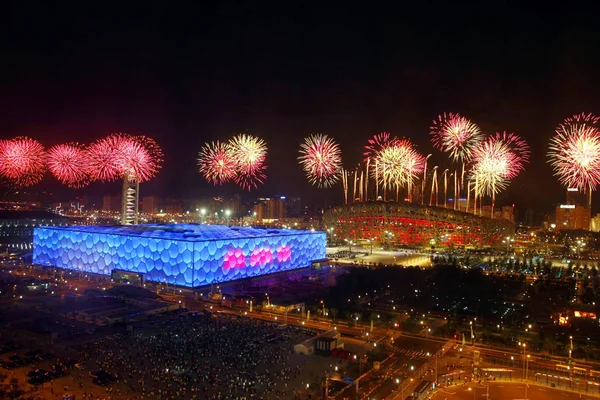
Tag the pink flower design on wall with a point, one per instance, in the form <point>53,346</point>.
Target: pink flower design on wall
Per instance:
<point>261,257</point>
<point>284,253</point>
<point>234,258</point>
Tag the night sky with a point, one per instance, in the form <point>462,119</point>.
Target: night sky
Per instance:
<point>191,74</point>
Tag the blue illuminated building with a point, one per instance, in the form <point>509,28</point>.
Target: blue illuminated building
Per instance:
<point>183,254</point>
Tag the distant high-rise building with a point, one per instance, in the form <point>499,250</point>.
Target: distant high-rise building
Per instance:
<point>529,217</point>
<point>595,223</point>
<point>275,208</point>
<point>173,206</point>
<point>486,211</point>
<point>150,204</point>
<point>259,211</point>
<point>571,216</point>
<point>293,207</point>
<point>508,213</point>
<point>111,203</point>
<point>576,197</point>
<point>233,205</point>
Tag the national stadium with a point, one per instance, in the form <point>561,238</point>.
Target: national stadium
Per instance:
<point>414,225</point>
<point>189,255</point>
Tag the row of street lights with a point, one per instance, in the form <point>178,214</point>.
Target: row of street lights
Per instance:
<point>203,213</point>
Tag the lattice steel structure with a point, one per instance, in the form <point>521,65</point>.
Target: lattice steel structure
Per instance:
<point>413,224</point>
<point>130,200</point>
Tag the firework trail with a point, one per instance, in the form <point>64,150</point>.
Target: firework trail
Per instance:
<point>398,164</point>
<point>321,159</point>
<point>375,145</point>
<point>216,162</point>
<point>22,161</point>
<point>68,164</point>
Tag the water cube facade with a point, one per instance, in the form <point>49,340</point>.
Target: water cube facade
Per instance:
<point>182,254</point>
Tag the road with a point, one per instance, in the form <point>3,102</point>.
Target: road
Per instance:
<point>505,391</point>
<point>384,386</point>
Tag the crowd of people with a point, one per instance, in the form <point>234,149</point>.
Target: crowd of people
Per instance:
<point>200,357</point>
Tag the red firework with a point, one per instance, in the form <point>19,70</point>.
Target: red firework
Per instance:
<point>102,158</point>
<point>139,157</point>
<point>22,161</point>
<point>248,178</point>
<point>216,162</point>
<point>120,154</point>
<point>67,163</point>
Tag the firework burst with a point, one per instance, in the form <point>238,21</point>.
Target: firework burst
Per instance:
<point>398,164</point>
<point>376,145</point>
<point>216,162</point>
<point>120,154</point>
<point>139,157</point>
<point>249,153</point>
<point>456,135</point>
<point>67,163</point>
<point>574,154</point>
<point>22,161</point>
<point>581,118</point>
<point>103,158</point>
<point>497,160</point>
<point>321,159</point>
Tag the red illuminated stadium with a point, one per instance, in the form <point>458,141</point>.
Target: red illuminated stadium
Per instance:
<point>414,225</point>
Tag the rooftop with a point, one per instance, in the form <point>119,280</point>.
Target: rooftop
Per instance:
<point>188,232</point>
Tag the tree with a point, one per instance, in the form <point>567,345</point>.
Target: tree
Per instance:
<point>334,313</point>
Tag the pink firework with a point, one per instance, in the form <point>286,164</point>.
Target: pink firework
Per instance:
<point>118,155</point>
<point>216,163</point>
<point>103,158</point>
<point>68,164</point>
<point>575,155</point>
<point>376,144</point>
<point>497,160</point>
<point>582,118</point>
<point>139,157</point>
<point>22,161</point>
<point>249,153</point>
<point>321,159</point>
<point>517,149</point>
<point>456,135</point>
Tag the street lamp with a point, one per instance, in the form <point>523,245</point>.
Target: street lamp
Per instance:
<point>524,357</point>
<point>508,240</point>
<point>570,351</point>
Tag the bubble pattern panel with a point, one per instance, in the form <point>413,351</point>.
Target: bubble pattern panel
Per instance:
<point>185,260</point>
